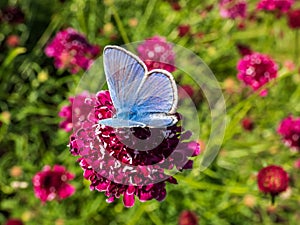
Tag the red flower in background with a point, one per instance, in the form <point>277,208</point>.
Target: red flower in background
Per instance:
<point>12,15</point>
<point>244,49</point>
<point>256,69</point>
<point>50,184</point>
<point>187,217</point>
<point>183,30</point>
<point>233,8</point>
<point>248,124</point>
<point>157,53</point>
<point>294,19</point>
<point>273,5</point>
<point>272,179</point>
<point>114,167</point>
<point>71,50</point>
<point>14,222</point>
<point>289,129</point>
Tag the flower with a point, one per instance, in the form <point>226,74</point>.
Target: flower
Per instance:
<point>157,53</point>
<point>248,124</point>
<point>275,5</point>
<point>256,70</point>
<point>52,184</point>
<point>233,8</point>
<point>289,129</point>
<point>127,162</point>
<point>14,222</point>
<point>244,49</point>
<point>12,15</point>
<point>12,41</point>
<point>187,217</point>
<point>294,19</point>
<point>66,112</point>
<point>272,179</point>
<point>71,50</point>
<point>297,164</point>
<point>183,30</point>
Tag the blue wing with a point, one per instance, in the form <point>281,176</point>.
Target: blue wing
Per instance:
<point>157,93</point>
<point>124,73</point>
<point>148,97</point>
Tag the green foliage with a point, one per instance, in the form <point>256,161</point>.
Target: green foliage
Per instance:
<point>32,92</point>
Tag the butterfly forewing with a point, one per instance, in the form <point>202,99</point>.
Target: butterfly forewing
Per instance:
<point>124,73</point>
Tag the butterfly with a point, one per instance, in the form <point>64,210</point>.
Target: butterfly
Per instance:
<point>141,98</point>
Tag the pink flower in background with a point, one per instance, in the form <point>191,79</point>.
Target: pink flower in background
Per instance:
<point>66,113</point>
<point>289,129</point>
<point>275,5</point>
<point>50,184</point>
<point>233,8</point>
<point>71,50</point>
<point>14,222</point>
<point>114,168</point>
<point>297,164</point>
<point>272,179</point>
<point>294,19</point>
<point>255,70</point>
<point>187,217</point>
<point>157,53</point>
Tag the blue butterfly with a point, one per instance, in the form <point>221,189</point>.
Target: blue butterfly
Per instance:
<point>141,98</point>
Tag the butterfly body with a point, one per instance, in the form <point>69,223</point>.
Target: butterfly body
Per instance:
<point>141,98</point>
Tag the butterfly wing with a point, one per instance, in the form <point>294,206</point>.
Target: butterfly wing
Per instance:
<point>157,93</point>
<point>119,123</point>
<point>124,73</point>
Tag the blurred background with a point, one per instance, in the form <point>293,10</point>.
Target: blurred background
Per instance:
<point>35,86</point>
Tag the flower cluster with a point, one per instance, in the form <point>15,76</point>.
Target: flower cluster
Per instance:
<point>256,70</point>
<point>233,8</point>
<point>273,180</point>
<point>289,129</point>
<point>157,53</point>
<point>50,184</point>
<point>71,50</point>
<point>14,222</point>
<point>273,5</point>
<point>114,162</point>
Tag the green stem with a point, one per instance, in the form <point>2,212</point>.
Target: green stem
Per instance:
<point>120,25</point>
<point>297,47</point>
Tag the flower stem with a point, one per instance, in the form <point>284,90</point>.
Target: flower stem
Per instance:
<point>297,46</point>
<point>272,199</point>
<point>120,25</point>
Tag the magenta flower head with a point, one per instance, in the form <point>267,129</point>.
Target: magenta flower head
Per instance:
<point>157,54</point>
<point>187,217</point>
<point>272,180</point>
<point>50,184</point>
<point>71,50</point>
<point>255,70</point>
<point>14,222</point>
<point>281,6</point>
<point>233,9</point>
<point>294,19</point>
<point>128,162</point>
<point>289,129</point>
